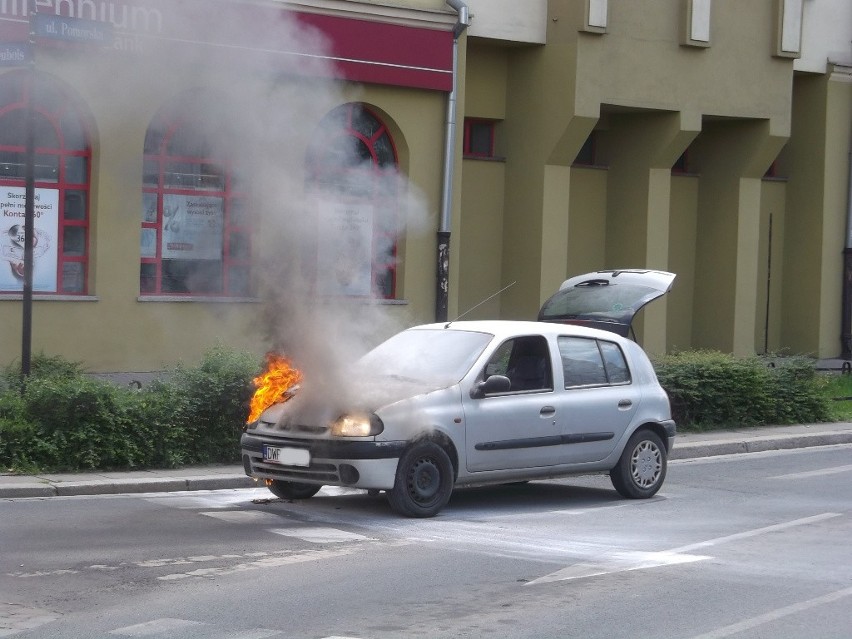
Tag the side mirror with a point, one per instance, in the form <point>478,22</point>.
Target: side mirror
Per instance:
<point>493,385</point>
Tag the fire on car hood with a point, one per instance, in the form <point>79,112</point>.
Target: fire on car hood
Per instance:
<point>608,300</point>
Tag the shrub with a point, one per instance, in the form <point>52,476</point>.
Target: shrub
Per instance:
<point>66,420</point>
<point>211,404</point>
<point>715,390</point>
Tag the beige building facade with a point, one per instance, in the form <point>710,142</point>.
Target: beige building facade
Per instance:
<point>234,176</point>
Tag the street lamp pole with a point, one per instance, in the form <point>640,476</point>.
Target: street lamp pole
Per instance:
<point>29,210</point>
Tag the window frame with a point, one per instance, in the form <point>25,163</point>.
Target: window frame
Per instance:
<point>467,147</point>
<point>167,126</point>
<point>63,106</point>
<point>345,121</point>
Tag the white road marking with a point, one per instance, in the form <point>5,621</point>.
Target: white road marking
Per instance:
<point>244,516</point>
<point>774,615</point>
<point>620,561</point>
<point>16,618</point>
<point>158,626</point>
<point>320,535</point>
<point>757,531</point>
<point>272,561</point>
<point>815,473</point>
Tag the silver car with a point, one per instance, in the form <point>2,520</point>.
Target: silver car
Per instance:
<point>467,403</point>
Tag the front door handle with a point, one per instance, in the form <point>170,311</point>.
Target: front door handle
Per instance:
<point>547,411</point>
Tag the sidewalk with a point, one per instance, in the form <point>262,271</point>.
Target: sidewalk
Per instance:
<point>687,446</point>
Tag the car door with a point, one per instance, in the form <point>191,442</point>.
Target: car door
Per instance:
<point>599,400</point>
<point>517,428</point>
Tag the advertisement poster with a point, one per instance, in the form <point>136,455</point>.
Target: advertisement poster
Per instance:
<point>192,227</point>
<point>345,256</point>
<point>45,242</point>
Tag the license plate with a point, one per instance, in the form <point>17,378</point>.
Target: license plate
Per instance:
<point>287,456</point>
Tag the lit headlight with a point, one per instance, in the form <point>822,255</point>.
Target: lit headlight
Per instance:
<point>357,425</point>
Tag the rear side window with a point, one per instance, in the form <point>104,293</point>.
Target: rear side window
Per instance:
<point>591,362</point>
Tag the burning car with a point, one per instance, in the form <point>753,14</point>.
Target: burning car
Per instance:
<point>442,406</point>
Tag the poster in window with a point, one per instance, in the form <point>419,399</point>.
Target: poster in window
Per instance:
<point>192,227</point>
<point>45,241</point>
<point>345,251</point>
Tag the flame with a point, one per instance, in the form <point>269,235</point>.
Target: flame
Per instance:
<point>272,385</point>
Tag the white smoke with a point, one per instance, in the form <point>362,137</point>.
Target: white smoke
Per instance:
<point>261,109</point>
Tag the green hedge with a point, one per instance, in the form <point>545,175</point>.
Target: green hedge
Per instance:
<point>709,389</point>
<point>65,420</point>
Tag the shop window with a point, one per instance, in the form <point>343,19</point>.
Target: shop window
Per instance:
<point>61,174</point>
<point>479,138</point>
<point>195,239</point>
<point>352,176</point>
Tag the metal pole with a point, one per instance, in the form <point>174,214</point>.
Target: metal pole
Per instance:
<point>29,210</point>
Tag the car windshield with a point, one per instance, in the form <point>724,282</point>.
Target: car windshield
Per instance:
<point>609,300</point>
<point>426,355</point>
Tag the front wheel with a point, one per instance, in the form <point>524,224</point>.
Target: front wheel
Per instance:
<point>642,467</point>
<point>291,489</point>
<point>424,481</point>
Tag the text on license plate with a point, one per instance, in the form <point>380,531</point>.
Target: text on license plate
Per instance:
<point>287,456</point>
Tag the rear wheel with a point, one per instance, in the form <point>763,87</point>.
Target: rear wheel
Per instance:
<point>292,489</point>
<point>642,467</point>
<point>424,481</point>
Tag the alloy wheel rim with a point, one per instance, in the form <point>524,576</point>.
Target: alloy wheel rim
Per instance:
<point>646,464</point>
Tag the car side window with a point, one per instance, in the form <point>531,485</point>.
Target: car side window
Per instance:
<point>525,361</point>
<point>617,371</point>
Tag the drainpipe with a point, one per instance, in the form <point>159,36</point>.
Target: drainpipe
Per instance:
<point>846,320</point>
<point>443,270</point>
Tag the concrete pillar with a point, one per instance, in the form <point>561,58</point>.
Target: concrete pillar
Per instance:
<point>731,157</point>
<point>642,148</point>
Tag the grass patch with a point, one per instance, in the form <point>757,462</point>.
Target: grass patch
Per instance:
<point>837,389</point>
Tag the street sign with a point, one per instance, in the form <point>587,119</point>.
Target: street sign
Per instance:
<point>72,29</point>
<point>13,54</point>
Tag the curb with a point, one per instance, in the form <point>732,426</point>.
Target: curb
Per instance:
<point>115,487</point>
<point>696,450</point>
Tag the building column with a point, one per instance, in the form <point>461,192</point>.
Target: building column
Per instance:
<point>642,149</point>
<point>731,158</point>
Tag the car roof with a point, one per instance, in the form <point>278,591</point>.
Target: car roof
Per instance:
<point>508,328</point>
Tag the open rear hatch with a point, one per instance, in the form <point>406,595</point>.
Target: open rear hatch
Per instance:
<point>608,300</point>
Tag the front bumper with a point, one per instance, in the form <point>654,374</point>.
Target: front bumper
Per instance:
<point>358,464</point>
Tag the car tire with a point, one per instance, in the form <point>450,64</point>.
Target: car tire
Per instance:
<point>642,466</point>
<point>424,481</point>
<point>292,489</point>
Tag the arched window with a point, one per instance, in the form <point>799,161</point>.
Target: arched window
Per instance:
<point>352,171</point>
<point>62,161</point>
<point>195,238</point>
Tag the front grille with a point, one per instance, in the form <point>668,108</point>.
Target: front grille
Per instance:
<point>317,472</point>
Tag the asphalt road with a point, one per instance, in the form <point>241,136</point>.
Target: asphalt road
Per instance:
<point>754,545</point>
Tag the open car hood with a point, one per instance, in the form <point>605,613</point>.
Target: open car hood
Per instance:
<point>606,299</point>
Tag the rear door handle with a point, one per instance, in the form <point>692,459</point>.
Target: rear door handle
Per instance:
<point>624,404</point>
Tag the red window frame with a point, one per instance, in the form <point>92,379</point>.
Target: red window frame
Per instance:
<point>469,149</point>
<point>355,123</point>
<point>154,275</point>
<point>60,112</point>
